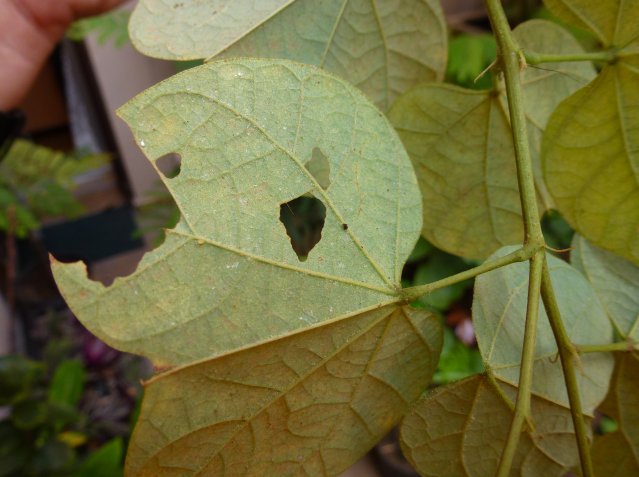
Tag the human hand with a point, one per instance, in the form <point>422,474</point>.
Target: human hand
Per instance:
<point>29,30</point>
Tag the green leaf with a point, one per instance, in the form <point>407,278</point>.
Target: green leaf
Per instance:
<point>499,310</point>
<point>383,48</point>
<point>545,87</point>
<point>17,376</point>
<point>457,360</point>
<point>591,159</point>
<point>309,404</point>
<point>105,462</point>
<point>441,265</point>
<point>614,22</point>
<point>67,383</point>
<point>617,454</point>
<point>616,282</point>
<point>460,430</point>
<point>245,130</point>
<point>468,56</point>
<point>111,26</point>
<point>461,144</point>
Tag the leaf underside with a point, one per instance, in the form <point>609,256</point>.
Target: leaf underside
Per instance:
<point>227,275</point>
<point>461,144</point>
<point>309,404</point>
<point>616,282</point>
<point>460,430</point>
<point>499,310</point>
<point>384,48</point>
<point>590,151</point>
<point>617,454</point>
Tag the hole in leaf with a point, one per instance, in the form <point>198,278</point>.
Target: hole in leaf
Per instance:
<point>303,219</point>
<point>320,168</point>
<point>169,165</point>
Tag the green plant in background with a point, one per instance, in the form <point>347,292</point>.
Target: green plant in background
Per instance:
<point>109,27</point>
<point>37,182</point>
<point>44,429</point>
<point>275,362</point>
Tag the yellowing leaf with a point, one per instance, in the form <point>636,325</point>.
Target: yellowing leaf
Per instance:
<point>617,454</point>
<point>227,274</point>
<point>461,144</point>
<point>615,22</point>
<point>544,88</point>
<point>591,147</point>
<point>308,404</point>
<point>460,430</point>
<point>616,282</point>
<point>382,47</point>
<point>499,309</point>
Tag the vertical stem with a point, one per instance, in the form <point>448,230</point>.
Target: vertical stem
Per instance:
<point>510,61</point>
<point>522,404</point>
<point>568,355</point>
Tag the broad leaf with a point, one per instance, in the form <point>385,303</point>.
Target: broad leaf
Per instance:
<point>460,430</point>
<point>461,144</point>
<point>499,310</point>
<point>613,21</point>
<point>591,146</point>
<point>617,454</point>
<point>616,282</point>
<point>227,274</point>
<point>309,404</point>
<point>382,47</point>
<point>545,87</point>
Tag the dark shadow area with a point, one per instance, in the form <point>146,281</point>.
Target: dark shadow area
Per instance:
<point>169,165</point>
<point>303,219</point>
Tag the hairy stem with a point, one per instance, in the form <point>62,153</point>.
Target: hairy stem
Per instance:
<point>533,58</point>
<point>568,355</point>
<point>522,404</point>
<point>521,255</point>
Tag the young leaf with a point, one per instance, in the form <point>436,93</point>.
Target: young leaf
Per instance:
<point>309,404</point>
<point>589,152</point>
<point>617,454</point>
<point>67,383</point>
<point>461,144</point>
<point>499,309</point>
<point>460,430</point>
<point>382,47</point>
<point>616,282</point>
<point>227,274</point>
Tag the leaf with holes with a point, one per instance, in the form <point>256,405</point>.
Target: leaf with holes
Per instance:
<point>461,144</point>
<point>227,275</point>
<point>590,150</point>
<point>617,454</point>
<point>616,282</point>
<point>460,430</point>
<point>309,404</point>
<point>382,47</point>
<point>499,308</point>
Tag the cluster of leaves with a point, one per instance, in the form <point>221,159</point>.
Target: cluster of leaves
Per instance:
<point>288,363</point>
<point>37,182</point>
<point>44,429</point>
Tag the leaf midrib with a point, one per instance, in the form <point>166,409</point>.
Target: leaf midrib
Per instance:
<point>318,189</point>
<point>284,392</point>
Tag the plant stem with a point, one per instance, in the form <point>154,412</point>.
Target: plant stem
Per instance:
<point>522,404</point>
<point>511,60</point>
<point>521,255</point>
<point>607,348</point>
<point>533,58</point>
<point>510,57</point>
<point>568,356</point>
